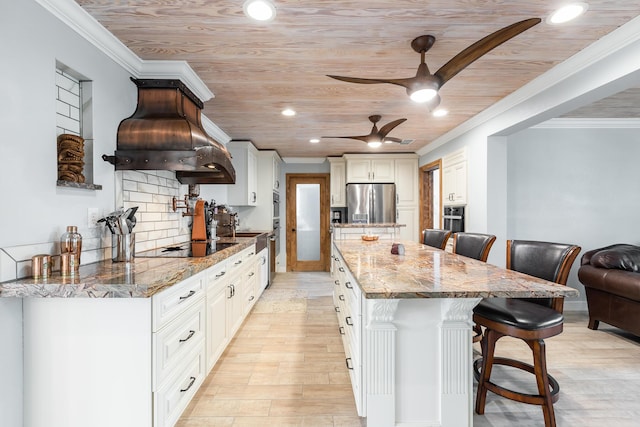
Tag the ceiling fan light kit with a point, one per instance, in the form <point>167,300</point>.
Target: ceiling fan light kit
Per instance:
<point>424,86</point>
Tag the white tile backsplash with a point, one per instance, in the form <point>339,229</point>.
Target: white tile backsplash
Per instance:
<point>156,223</point>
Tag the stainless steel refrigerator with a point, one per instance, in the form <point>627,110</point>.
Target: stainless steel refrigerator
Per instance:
<point>371,203</point>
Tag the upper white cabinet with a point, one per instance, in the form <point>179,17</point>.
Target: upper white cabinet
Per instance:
<point>275,166</point>
<point>406,180</point>
<point>454,178</point>
<point>366,168</point>
<point>244,160</point>
<point>338,183</point>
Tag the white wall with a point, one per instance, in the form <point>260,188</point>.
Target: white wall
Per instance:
<point>36,210</point>
<point>575,186</point>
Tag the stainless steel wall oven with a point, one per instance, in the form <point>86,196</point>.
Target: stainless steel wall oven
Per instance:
<point>454,218</point>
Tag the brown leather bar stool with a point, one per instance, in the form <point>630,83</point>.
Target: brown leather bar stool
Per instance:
<point>476,246</point>
<point>530,319</point>
<point>435,238</point>
<point>473,245</point>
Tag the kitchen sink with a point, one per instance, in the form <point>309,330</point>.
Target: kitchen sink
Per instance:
<point>261,241</point>
<point>247,234</point>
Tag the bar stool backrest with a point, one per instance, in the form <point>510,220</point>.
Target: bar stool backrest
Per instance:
<point>545,260</point>
<point>435,238</point>
<point>473,245</point>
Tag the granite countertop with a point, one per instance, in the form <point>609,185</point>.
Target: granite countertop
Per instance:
<point>142,278</point>
<point>359,225</point>
<point>426,272</point>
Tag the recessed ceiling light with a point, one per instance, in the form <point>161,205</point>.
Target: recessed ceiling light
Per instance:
<point>288,112</point>
<point>440,112</point>
<point>260,10</point>
<point>314,140</point>
<point>567,12</point>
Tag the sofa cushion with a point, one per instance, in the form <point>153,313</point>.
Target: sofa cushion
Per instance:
<point>621,257</point>
<point>623,283</point>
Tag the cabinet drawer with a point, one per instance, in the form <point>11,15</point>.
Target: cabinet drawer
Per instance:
<point>170,401</point>
<point>171,302</point>
<point>216,275</point>
<point>177,339</point>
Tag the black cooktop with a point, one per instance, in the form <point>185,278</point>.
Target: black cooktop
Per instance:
<point>191,249</point>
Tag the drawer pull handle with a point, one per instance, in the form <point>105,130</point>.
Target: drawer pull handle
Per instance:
<point>219,275</point>
<point>348,320</point>
<point>337,309</point>
<point>348,285</point>
<point>337,282</point>
<point>189,295</point>
<point>193,380</point>
<point>349,363</point>
<point>238,262</point>
<point>341,329</point>
<point>230,291</point>
<point>341,297</point>
<point>341,269</point>
<point>251,274</point>
<point>252,298</point>
<point>191,333</point>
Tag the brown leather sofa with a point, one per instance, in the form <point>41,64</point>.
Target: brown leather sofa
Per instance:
<point>611,277</point>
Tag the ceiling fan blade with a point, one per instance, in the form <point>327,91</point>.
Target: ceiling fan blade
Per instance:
<point>399,82</point>
<point>392,139</point>
<point>384,130</point>
<point>359,137</point>
<point>481,47</point>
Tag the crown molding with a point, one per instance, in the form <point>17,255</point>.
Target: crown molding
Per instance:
<point>309,160</point>
<point>79,20</point>
<point>609,44</point>
<point>589,124</point>
<point>214,131</point>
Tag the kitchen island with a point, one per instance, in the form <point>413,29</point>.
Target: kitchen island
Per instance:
<point>406,327</point>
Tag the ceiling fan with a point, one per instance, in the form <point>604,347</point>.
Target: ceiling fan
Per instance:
<point>424,86</point>
<point>376,137</point>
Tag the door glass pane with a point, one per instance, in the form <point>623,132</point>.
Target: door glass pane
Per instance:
<point>308,222</point>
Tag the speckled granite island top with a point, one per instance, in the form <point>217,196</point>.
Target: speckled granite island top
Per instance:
<point>425,272</point>
<point>141,278</point>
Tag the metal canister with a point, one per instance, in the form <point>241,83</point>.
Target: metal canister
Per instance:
<point>41,266</point>
<point>69,264</point>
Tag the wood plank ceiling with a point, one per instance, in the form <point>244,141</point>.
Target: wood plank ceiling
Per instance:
<point>257,69</point>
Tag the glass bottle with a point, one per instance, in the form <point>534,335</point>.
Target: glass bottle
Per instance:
<point>71,241</point>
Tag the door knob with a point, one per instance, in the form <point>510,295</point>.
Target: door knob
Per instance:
<point>293,229</point>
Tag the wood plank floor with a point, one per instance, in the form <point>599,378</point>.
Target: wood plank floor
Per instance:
<point>285,367</point>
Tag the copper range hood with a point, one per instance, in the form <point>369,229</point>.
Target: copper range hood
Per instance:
<point>165,133</point>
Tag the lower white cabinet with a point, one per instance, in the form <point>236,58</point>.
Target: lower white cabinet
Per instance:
<point>131,362</point>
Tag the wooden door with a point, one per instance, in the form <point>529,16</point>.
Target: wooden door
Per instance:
<point>431,195</point>
<point>307,222</point>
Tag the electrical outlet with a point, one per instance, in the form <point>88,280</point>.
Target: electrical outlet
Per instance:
<point>93,215</point>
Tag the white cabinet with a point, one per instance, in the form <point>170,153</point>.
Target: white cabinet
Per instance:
<point>263,267</point>
<point>408,215</point>
<point>338,182</point>
<point>454,179</point>
<point>260,215</point>
<point>146,357</point>
<point>406,179</point>
<point>347,299</point>
<point>244,159</point>
<point>275,166</point>
<point>217,334</point>
<point>369,168</point>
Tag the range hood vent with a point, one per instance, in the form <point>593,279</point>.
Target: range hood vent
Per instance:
<point>165,133</point>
